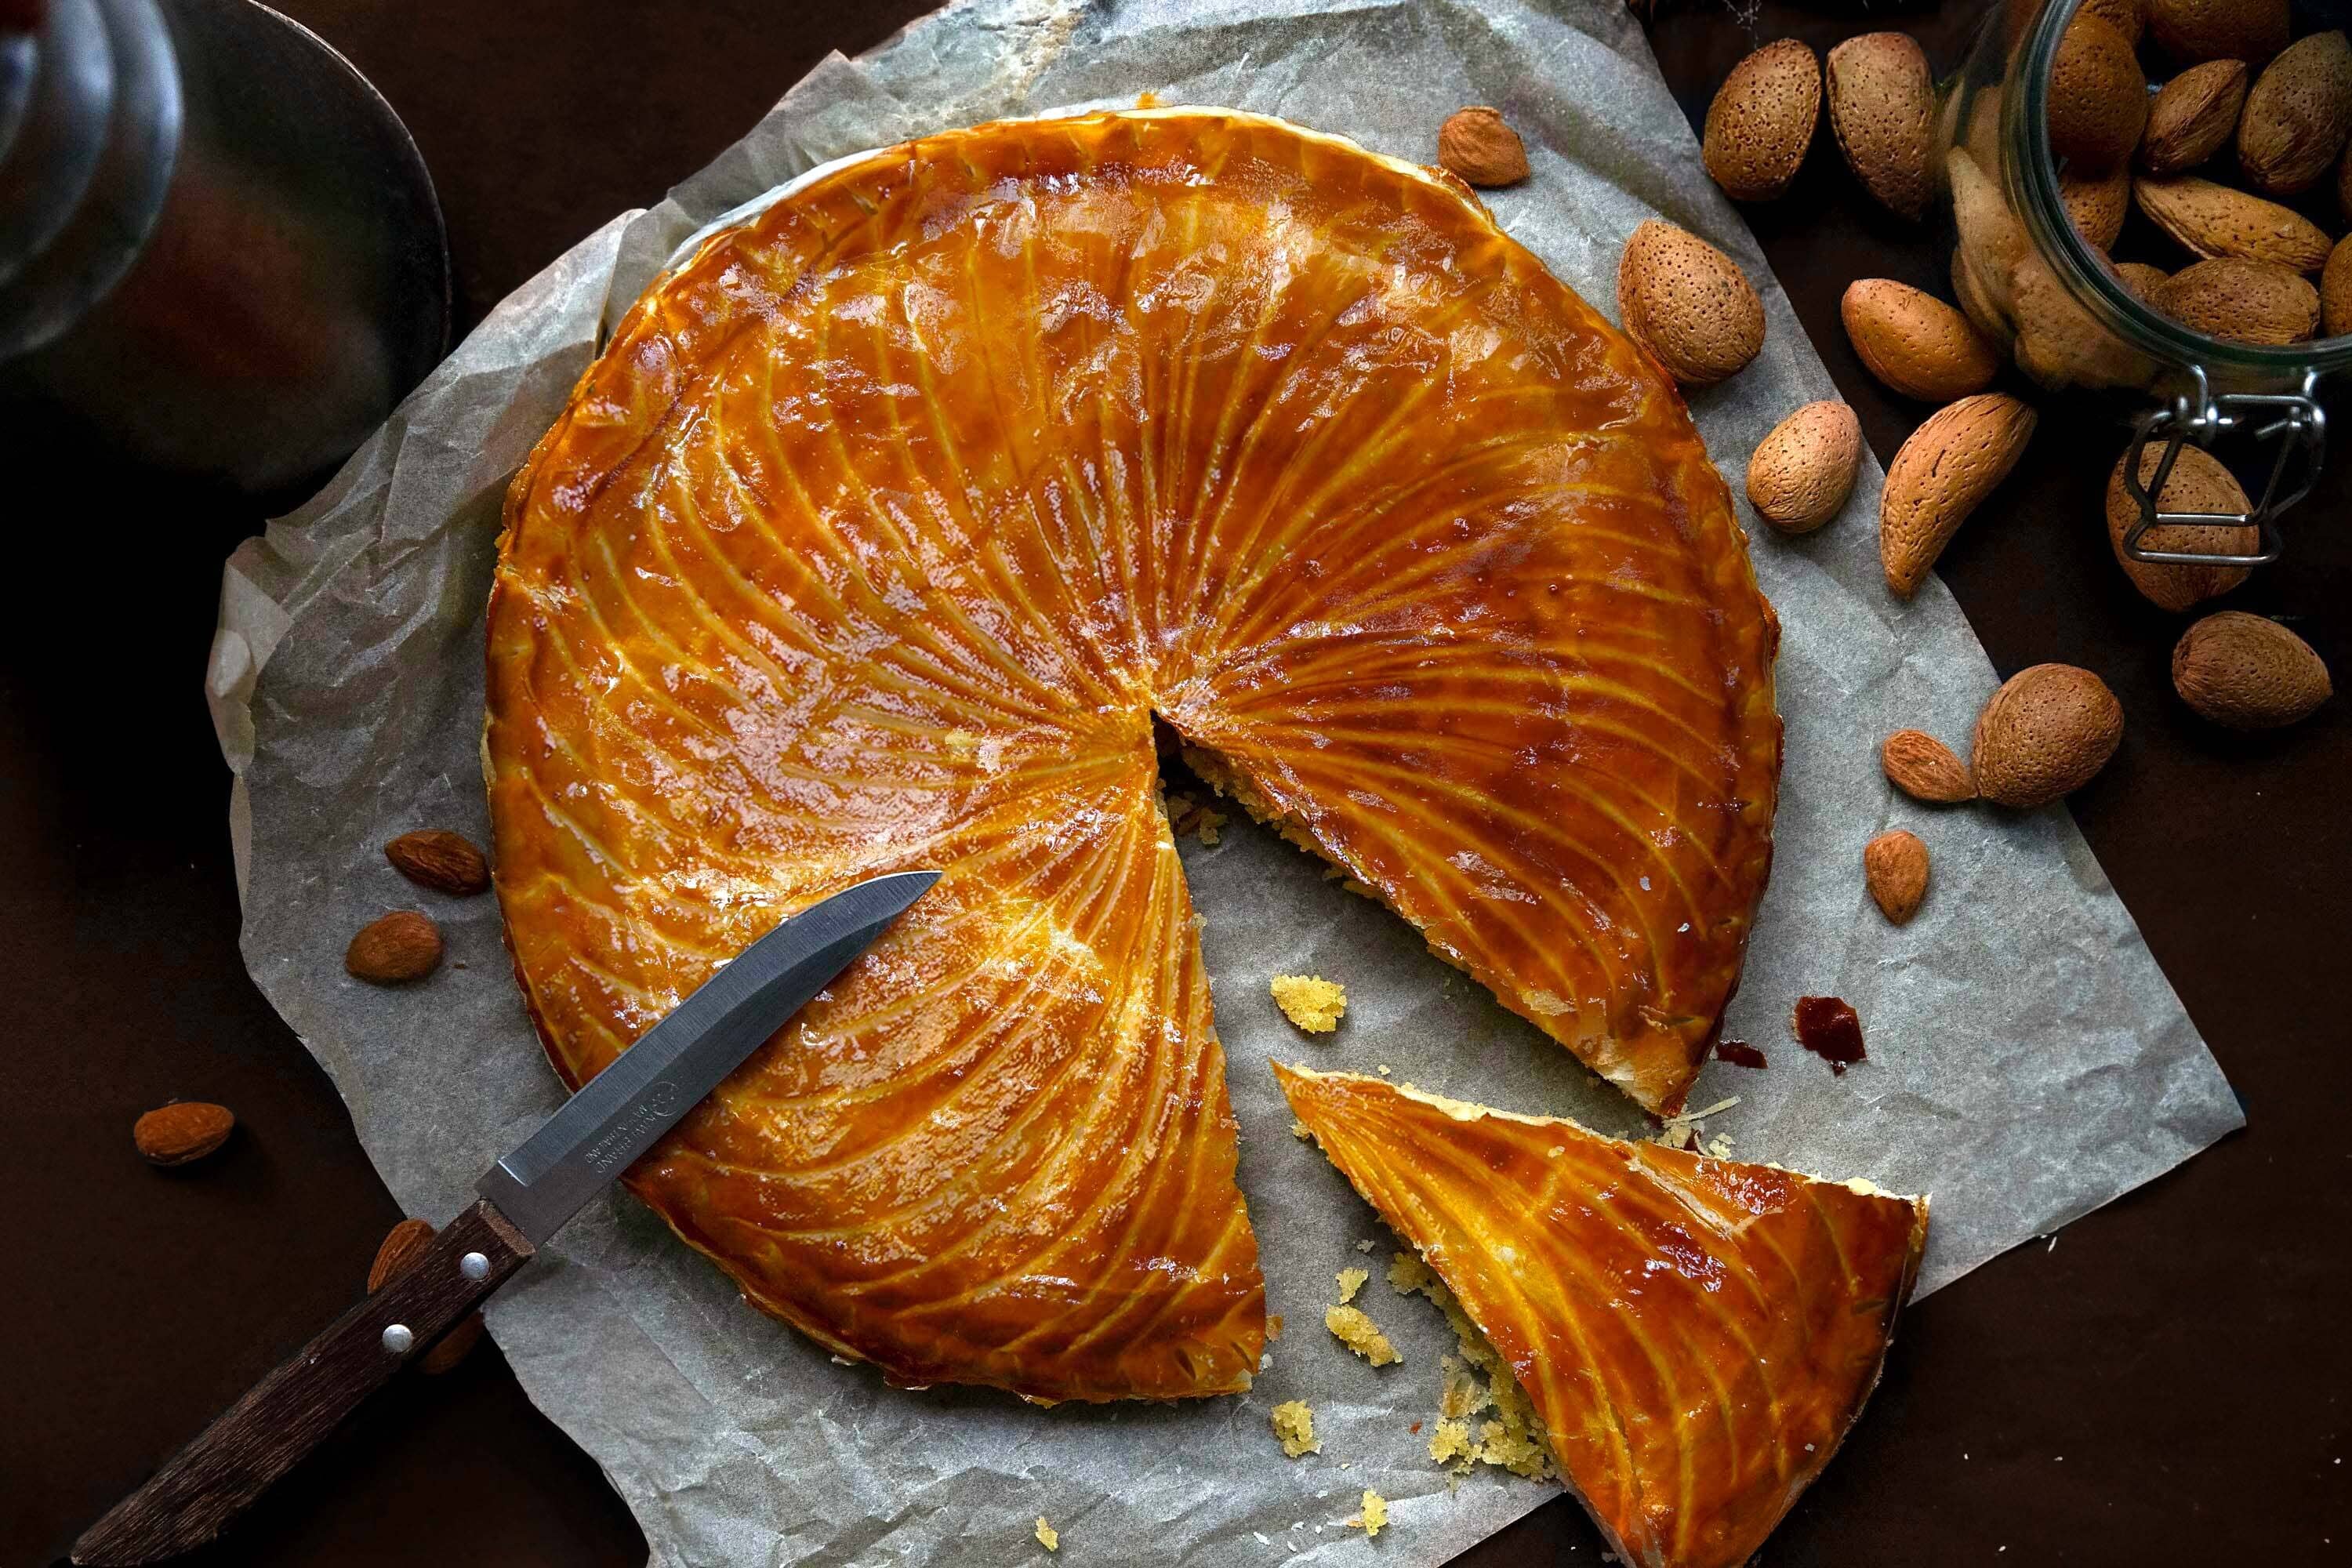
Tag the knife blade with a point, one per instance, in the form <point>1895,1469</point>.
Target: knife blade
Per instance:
<point>524,1199</point>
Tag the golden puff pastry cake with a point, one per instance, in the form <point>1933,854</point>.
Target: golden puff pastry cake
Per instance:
<point>1695,1334</point>
<point>880,535</point>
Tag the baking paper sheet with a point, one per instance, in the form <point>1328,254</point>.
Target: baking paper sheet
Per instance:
<point>2028,1061</point>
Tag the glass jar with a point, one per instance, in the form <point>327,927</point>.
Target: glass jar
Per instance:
<point>2030,280</point>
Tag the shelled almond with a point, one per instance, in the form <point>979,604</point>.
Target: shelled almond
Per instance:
<point>1895,869</point>
<point>181,1132</point>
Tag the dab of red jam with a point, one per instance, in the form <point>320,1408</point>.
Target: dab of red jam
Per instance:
<point>1739,1054</point>
<point>1829,1028</point>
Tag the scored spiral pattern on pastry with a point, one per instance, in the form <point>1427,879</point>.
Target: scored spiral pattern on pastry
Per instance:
<point>1698,1334</point>
<point>876,539</point>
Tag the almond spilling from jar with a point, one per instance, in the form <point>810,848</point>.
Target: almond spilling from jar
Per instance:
<point>2215,220</point>
<point>2098,98</point>
<point>183,1132</point>
<point>2297,116</point>
<point>1477,144</point>
<point>399,947</point>
<point>1800,475</point>
<point>2098,204</point>
<point>2192,116</point>
<point>2198,483</point>
<point>1762,121</point>
<point>2245,302</point>
<point>2044,734</point>
<point>2248,673</point>
<point>437,859</point>
<point>2194,30</point>
<point>1882,103</point>
<point>1951,464</point>
<point>1915,342</point>
<point>1925,768</point>
<point>1689,304</point>
<point>1895,869</point>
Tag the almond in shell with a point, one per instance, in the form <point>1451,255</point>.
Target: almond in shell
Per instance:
<point>1925,768</point>
<point>2198,483</point>
<point>1882,103</point>
<point>1915,342</point>
<point>1951,464</point>
<point>1895,869</point>
<point>2044,734</point>
<point>2336,290</point>
<point>1762,121</point>
<point>2141,277</point>
<point>394,949</point>
<point>1689,304</point>
<point>2097,204</point>
<point>2193,116</point>
<point>2298,115</point>
<point>2214,220</point>
<point>2194,30</point>
<point>1800,475</point>
<point>1479,145</point>
<point>181,1132</point>
<point>2127,17</point>
<point>1976,301</point>
<point>2245,302</point>
<point>2098,96</point>
<point>2248,673</point>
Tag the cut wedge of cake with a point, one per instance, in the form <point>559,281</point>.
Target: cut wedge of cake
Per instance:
<point>1696,1334</point>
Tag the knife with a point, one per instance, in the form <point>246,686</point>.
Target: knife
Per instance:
<point>525,1198</point>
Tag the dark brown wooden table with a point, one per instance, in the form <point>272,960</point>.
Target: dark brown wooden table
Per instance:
<point>2169,1384</point>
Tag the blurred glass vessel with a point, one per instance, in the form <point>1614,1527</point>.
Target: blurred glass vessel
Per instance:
<point>218,245</point>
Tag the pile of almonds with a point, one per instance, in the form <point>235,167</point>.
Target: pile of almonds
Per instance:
<point>2279,113</point>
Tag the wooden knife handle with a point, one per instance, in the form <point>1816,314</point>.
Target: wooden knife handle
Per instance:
<point>289,1411</point>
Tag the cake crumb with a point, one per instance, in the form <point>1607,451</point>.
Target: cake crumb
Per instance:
<point>1374,1515</point>
<point>1299,1129</point>
<point>1360,1334</point>
<point>1350,1281</point>
<point>1309,1001</point>
<point>1048,1536</point>
<point>1294,1423</point>
<point>1513,1437</point>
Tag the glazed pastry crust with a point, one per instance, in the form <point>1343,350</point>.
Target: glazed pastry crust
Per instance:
<point>876,538</point>
<point>1698,1334</point>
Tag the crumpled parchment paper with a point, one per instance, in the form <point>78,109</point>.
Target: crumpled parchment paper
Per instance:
<point>2027,1062</point>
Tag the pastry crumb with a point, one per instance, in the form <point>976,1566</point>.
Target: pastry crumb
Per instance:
<point>1374,1515</point>
<point>1350,1281</point>
<point>1366,1245</point>
<point>1360,1334</point>
<point>1186,814</point>
<point>1513,1437</point>
<point>1294,1424</point>
<point>1309,1001</point>
<point>1299,1129</point>
<point>1048,1536</point>
<point>1273,1326</point>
